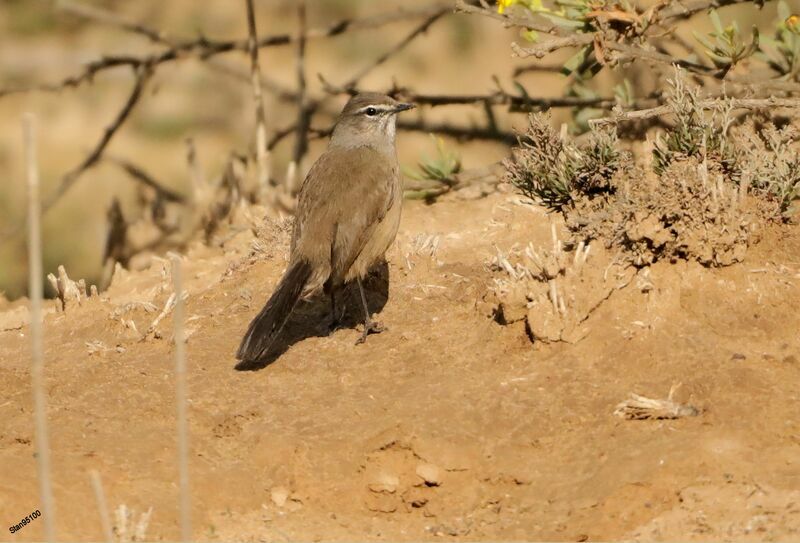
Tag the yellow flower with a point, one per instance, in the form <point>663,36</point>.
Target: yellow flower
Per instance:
<point>792,22</point>
<point>503,4</point>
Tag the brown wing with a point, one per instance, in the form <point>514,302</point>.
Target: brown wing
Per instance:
<point>345,195</point>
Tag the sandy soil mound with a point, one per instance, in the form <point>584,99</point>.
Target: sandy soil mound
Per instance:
<point>452,423</point>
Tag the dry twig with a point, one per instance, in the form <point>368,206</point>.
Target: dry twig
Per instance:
<point>733,103</point>
<point>642,408</point>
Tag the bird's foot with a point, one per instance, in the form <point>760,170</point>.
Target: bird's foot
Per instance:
<point>371,327</point>
<point>334,325</point>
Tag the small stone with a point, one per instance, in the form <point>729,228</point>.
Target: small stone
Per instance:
<point>790,359</point>
<point>385,482</point>
<point>430,473</point>
<point>738,356</point>
<point>382,503</point>
<point>279,495</point>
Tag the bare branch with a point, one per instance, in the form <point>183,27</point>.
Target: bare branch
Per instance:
<point>204,48</point>
<point>143,74</point>
<point>145,178</point>
<point>459,132</point>
<point>419,30</point>
<point>687,8</point>
<point>108,17</point>
<point>515,102</point>
<point>537,67</point>
<point>734,103</point>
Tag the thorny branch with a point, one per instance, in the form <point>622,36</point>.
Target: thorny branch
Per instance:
<point>204,48</point>
<point>419,30</point>
<point>110,18</point>
<point>142,75</point>
<point>733,103</point>
<point>515,102</point>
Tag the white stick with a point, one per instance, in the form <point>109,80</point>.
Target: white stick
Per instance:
<point>37,351</point>
<point>102,506</point>
<point>180,400</point>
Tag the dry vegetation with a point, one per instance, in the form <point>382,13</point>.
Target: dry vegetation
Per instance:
<point>582,234</point>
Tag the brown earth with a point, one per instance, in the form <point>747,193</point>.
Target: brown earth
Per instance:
<point>448,424</point>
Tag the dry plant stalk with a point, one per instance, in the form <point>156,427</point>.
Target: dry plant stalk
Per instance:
<point>262,153</point>
<point>126,529</point>
<point>169,305</point>
<point>292,186</point>
<point>180,400</point>
<point>642,408</point>
<point>102,505</point>
<point>37,348</point>
<point>67,290</point>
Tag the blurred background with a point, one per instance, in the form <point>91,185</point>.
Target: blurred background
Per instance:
<point>41,42</point>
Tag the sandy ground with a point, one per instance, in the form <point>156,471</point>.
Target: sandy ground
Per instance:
<point>447,425</point>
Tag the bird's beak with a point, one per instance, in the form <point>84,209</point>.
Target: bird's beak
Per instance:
<point>403,107</point>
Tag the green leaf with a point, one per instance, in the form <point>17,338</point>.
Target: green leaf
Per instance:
<point>714,16</point>
<point>704,41</point>
<point>783,10</point>
<point>575,61</point>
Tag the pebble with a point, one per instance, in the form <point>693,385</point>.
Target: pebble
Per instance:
<point>430,473</point>
<point>279,495</point>
<point>385,482</point>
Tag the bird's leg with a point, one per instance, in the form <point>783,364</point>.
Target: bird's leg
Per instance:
<point>336,319</point>
<point>370,326</point>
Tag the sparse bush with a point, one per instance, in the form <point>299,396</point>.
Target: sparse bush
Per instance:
<point>552,169</point>
<point>543,166</point>
<point>695,134</point>
<point>771,166</point>
<point>599,161</point>
<point>691,204</point>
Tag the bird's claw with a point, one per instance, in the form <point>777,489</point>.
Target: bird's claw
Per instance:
<point>371,327</point>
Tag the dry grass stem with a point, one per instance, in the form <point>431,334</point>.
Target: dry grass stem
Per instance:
<point>169,305</point>
<point>180,400</point>
<point>37,340</point>
<point>261,152</point>
<point>102,505</point>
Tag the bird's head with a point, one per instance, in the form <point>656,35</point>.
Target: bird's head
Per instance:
<point>368,119</point>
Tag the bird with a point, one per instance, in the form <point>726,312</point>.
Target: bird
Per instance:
<point>347,216</point>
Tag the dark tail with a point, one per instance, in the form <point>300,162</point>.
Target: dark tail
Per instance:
<point>269,322</point>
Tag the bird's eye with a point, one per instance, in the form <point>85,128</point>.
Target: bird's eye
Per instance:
<point>371,111</point>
